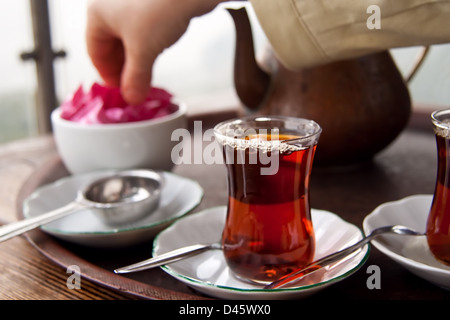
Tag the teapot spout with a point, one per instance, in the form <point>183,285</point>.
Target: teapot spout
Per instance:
<point>250,81</point>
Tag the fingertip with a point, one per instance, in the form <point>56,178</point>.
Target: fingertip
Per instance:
<point>137,73</point>
<point>135,95</point>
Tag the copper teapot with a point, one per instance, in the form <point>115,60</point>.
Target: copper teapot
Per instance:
<point>362,104</point>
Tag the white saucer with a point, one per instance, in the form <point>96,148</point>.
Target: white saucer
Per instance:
<point>209,273</point>
<point>179,195</point>
<point>411,252</point>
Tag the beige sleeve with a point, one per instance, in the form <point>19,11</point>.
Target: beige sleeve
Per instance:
<point>311,32</point>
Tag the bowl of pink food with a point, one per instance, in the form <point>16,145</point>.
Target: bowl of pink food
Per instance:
<point>96,129</point>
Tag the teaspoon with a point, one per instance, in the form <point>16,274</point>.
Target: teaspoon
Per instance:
<point>122,197</point>
<point>334,257</point>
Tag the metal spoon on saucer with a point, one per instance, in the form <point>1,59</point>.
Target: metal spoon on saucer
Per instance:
<point>189,251</point>
<point>122,197</point>
<point>335,257</point>
<point>169,257</point>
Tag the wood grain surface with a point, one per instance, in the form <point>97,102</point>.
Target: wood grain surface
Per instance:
<point>24,272</point>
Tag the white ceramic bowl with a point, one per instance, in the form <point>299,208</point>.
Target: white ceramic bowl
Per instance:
<point>142,144</point>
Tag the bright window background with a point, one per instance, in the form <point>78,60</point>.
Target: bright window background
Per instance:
<point>198,66</point>
<point>17,79</point>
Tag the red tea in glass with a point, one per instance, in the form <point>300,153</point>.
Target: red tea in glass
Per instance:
<point>268,231</point>
<point>438,223</point>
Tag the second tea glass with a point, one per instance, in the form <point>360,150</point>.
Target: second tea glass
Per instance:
<point>438,223</point>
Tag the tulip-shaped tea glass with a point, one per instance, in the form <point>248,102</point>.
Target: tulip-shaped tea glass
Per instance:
<point>268,231</point>
<point>438,223</point>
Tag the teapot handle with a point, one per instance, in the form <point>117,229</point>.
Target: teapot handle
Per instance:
<point>420,57</point>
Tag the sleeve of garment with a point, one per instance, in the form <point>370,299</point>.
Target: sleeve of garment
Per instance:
<point>305,33</point>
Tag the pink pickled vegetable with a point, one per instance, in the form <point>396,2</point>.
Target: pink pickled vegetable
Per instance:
<point>105,105</point>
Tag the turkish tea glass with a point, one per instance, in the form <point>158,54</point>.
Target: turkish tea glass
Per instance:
<point>268,231</point>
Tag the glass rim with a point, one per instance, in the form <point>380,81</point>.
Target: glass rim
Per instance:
<point>316,129</point>
<point>439,122</point>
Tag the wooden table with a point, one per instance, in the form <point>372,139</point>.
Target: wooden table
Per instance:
<point>33,266</point>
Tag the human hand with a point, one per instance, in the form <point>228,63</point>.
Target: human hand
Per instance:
<point>124,38</point>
